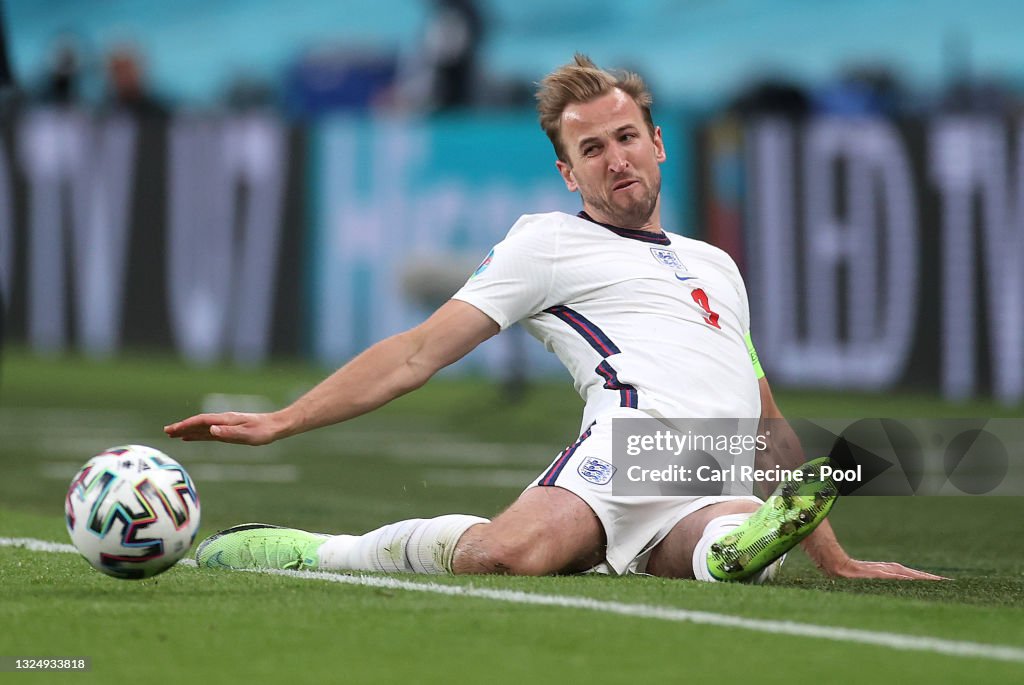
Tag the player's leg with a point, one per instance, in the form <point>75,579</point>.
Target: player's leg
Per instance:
<point>547,530</point>
<point>728,541</point>
<point>414,545</point>
<point>673,556</point>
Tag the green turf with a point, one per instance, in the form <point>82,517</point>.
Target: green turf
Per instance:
<point>421,457</point>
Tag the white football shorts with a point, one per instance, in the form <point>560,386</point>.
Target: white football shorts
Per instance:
<point>633,525</point>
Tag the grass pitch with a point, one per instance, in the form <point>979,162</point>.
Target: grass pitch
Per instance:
<point>454,446</point>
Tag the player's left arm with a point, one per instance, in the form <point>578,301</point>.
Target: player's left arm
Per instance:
<point>784,450</point>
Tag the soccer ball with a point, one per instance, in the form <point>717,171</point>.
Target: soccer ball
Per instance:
<point>132,512</point>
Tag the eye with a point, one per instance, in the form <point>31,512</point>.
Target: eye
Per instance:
<point>590,150</point>
<point>626,137</point>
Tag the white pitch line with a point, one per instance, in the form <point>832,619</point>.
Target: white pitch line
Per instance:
<point>897,641</point>
<point>33,545</point>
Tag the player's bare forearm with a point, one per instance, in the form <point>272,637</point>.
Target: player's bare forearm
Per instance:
<point>783,450</point>
<point>385,371</point>
<point>782,446</point>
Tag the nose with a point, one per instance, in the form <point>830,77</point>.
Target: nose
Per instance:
<point>617,162</point>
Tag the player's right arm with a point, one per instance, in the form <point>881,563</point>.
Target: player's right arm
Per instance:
<point>387,370</point>
<point>512,283</point>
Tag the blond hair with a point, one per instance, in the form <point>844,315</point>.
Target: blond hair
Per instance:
<point>579,82</point>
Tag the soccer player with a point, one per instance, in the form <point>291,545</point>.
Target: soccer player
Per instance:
<point>650,324</point>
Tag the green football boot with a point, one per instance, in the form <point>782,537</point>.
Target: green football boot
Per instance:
<point>260,546</point>
<point>792,512</point>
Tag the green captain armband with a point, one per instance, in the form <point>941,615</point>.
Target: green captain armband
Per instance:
<point>758,371</point>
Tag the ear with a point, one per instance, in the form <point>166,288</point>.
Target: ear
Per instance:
<point>570,179</point>
<point>659,146</point>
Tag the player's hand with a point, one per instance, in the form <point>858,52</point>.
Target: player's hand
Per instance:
<point>881,570</point>
<point>235,427</point>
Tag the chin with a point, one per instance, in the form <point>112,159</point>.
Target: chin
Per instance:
<point>633,217</point>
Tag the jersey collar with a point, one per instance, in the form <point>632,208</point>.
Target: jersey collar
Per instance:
<point>631,233</point>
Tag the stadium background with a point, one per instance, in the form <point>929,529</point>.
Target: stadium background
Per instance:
<point>262,185</point>
<point>206,205</point>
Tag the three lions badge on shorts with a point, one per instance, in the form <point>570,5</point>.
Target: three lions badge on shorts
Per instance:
<point>597,471</point>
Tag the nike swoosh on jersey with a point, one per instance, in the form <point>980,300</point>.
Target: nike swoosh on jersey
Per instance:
<point>685,278</point>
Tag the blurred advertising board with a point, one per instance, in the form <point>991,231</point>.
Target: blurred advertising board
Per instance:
<point>149,233</point>
<point>877,253</point>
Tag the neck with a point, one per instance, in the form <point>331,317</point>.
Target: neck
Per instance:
<point>652,225</point>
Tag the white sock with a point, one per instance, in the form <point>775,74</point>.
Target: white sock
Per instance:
<point>415,546</point>
<point>715,529</point>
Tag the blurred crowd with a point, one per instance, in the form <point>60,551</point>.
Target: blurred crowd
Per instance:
<point>123,71</point>
<point>444,72</point>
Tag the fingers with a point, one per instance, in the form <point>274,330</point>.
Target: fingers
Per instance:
<point>242,434</point>
<point>887,572</point>
<point>224,427</point>
<point>902,572</point>
<point>191,424</point>
<point>884,570</point>
<point>914,574</point>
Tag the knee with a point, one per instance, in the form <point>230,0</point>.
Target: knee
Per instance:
<point>484,550</point>
<point>520,559</point>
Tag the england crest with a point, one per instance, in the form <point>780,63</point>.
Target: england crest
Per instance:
<point>667,257</point>
<point>597,471</point>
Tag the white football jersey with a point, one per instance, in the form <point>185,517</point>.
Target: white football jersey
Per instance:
<point>655,322</point>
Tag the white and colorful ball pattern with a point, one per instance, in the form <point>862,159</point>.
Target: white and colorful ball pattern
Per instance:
<point>132,512</point>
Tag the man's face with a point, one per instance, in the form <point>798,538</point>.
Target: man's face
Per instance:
<point>613,160</point>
